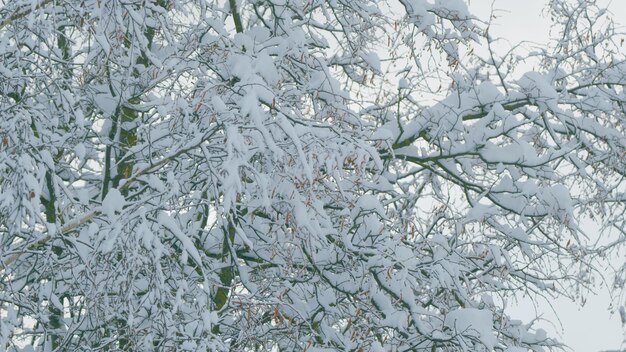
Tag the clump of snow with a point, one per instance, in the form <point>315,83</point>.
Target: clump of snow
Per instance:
<point>218,104</point>
<point>103,99</point>
<point>382,134</point>
<point>518,152</point>
<point>558,201</point>
<point>113,203</point>
<point>487,93</point>
<point>480,212</point>
<point>372,60</point>
<point>168,222</point>
<point>536,86</point>
<point>368,203</point>
<point>266,69</point>
<point>80,151</point>
<point>458,7</point>
<point>403,84</point>
<point>419,14</point>
<point>241,66</point>
<point>473,322</point>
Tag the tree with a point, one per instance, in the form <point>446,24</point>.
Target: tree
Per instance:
<point>299,175</point>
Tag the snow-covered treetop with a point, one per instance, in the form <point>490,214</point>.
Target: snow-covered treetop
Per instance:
<point>341,175</point>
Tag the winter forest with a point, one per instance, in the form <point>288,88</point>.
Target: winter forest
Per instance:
<point>303,175</point>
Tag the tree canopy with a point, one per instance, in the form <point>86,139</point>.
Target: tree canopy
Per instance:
<point>301,175</point>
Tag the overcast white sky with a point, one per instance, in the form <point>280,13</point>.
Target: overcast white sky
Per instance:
<point>591,328</point>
